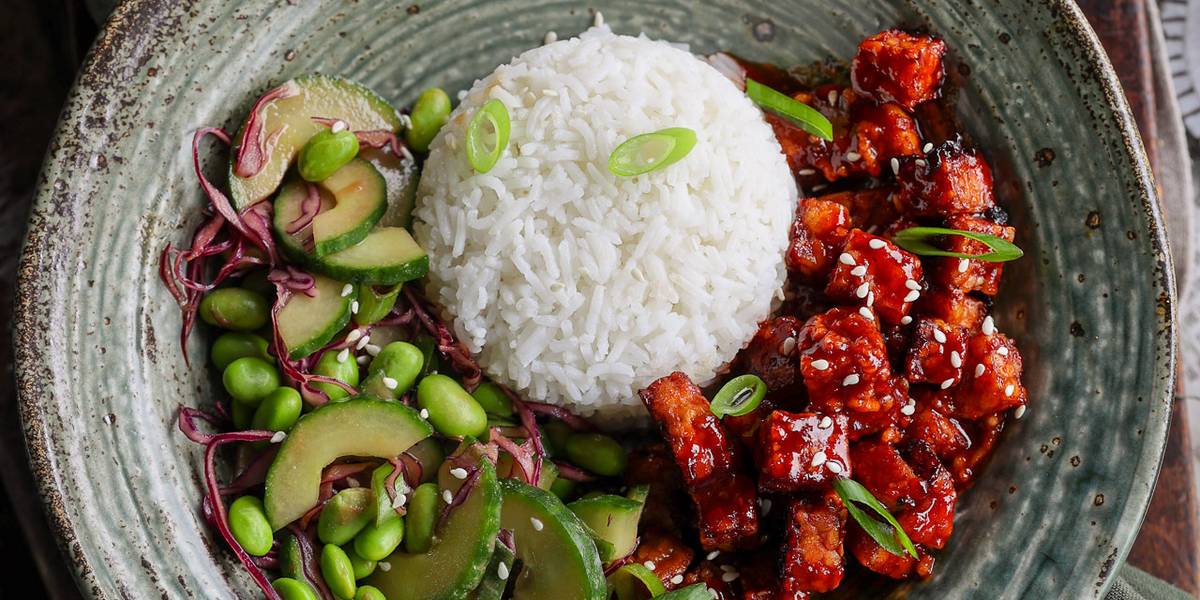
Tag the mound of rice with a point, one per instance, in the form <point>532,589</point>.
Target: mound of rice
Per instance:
<point>576,286</point>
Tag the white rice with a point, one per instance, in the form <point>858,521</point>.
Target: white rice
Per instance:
<point>576,286</point>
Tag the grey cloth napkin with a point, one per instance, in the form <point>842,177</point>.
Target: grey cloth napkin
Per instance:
<point>1135,584</point>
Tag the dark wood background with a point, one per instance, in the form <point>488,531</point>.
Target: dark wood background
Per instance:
<point>42,43</point>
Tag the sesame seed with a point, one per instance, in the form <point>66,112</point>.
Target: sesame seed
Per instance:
<point>347,290</point>
<point>989,326</point>
<point>502,571</point>
<point>870,298</point>
<point>459,472</point>
<point>920,162</point>
<point>819,458</point>
<point>825,423</point>
<point>850,379</point>
<point>385,567</point>
<point>353,335</point>
<point>895,166</point>
<point>834,467</point>
<point>955,359</point>
<point>1008,390</point>
<point>833,96</point>
<point>1020,412</point>
<point>939,335</point>
<point>362,360</point>
<point>728,577</point>
<point>908,409</point>
<point>390,383</point>
<point>362,342</point>
<point>853,156</point>
<point>927,148</point>
<point>963,264</point>
<point>979,370</point>
<point>859,271</point>
<point>1002,350</point>
<point>912,285</point>
<point>866,313</point>
<point>278,437</point>
<point>424,413</point>
<point>447,496</point>
<point>846,259</point>
<point>819,187</point>
<point>373,350</point>
<point>876,244</point>
<point>789,346</point>
<point>947,383</point>
<point>649,565</point>
<point>862,290</point>
<point>537,525</point>
<point>905,320</point>
<point>820,364</point>
<point>399,501</point>
<point>352,482</point>
<point>807,172</point>
<point>713,554</point>
<point>550,38</point>
<point>912,296</point>
<point>343,355</point>
<point>338,126</point>
<point>765,503</point>
<point>354,307</point>
<point>728,568</point>
<point>676,580</point>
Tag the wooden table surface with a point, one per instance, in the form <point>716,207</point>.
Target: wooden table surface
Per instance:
<point>42,43</point>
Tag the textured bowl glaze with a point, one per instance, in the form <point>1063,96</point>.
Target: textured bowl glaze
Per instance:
<point>1092,304</point>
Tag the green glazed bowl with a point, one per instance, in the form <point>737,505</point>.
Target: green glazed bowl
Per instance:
<point>101,374</point>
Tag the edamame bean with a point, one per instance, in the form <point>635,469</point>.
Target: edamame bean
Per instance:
<point>338,572</point>
<point>248,522</point>
<point>422,516</point>
<point>293,589</point>
<point>325,153</point>
<point>362,567</point>
<point>374,305</point>
<point>563,488</point>
<point>400,362</point>
<point>378,541</point>
<point>597,453</point>
<point>452,411</point>
<point>249,378</point>
<point>493,400</point>
<point>345,371</point>
<point>345,514</point>
<point>429,113</point>
<point>278,410</point>
<point>557,433</point>
<point>367,592</point>
<point>233,345</point>
<point>235,309</point>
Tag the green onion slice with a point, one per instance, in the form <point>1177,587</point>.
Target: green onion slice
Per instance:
<point>804,116</point>
<point>918,241</point>
<point>651,151</point>
<point>890,536</point>
<point>487,135</point>
<point>740,396</point>
<point>696,591</point>
<point>634,581</point>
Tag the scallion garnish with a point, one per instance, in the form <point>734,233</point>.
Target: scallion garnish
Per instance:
<point>739,396</point>
<point>651,151</point>
<point>487,135</point>
<point>804,116</point>
<point>918,241</point>
<point>890,535</point>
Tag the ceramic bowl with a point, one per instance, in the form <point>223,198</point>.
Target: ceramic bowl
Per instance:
<point>101,372</point>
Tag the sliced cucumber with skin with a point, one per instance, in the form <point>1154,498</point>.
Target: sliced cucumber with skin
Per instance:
<point>307,97</point>
<point>306,323</point>
<point>359,201</point>
<point>373,304</point>
<point>461,551</point>
<point>360,427</point>
<point>613,520</point>
<point>560,560</point>
<point>495,579</point>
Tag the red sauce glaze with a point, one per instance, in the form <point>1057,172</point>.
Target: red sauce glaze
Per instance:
<point>969,275</point>
<point>877,275</point>
<point>669,554</point>
<point>812,555</point>
<point>937,353</point>
<point>793,449</point>
<point>949,181</point>
<point>895,66</point>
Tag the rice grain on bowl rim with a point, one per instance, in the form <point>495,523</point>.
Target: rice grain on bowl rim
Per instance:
<point>579,287</point>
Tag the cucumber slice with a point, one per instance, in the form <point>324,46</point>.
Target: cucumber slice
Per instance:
<point>560,558</point>
<point>359,427</point>
<point>312,96</point>
<point>359,201</point>
<point>401,175</point>
<point>614,521</point>
<point>495,579</point>
<point>461,550</point>
<point>306,323</point>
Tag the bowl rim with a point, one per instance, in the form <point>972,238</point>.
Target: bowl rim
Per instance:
<point>133,18</point>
